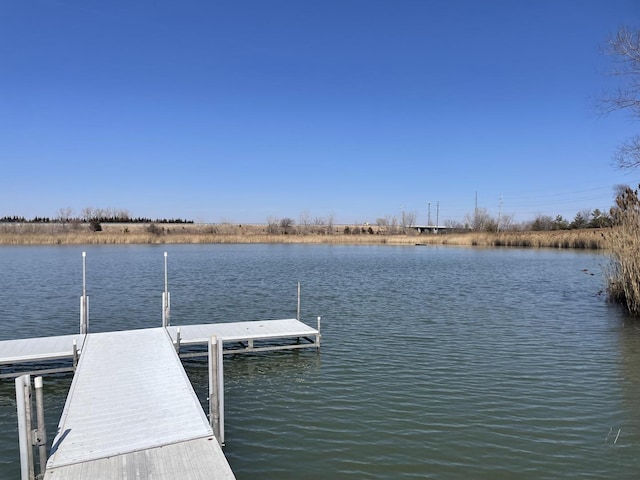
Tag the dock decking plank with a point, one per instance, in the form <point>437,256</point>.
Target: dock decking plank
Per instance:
<point>38,349</point>
<point>129,393</point>
<point>200,459</point>
<point>238,331</point>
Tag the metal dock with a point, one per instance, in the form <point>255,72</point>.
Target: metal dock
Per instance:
<point>20,356</point>
<point>39,349</point>
<point>131,412</point>
<point>132,408</point>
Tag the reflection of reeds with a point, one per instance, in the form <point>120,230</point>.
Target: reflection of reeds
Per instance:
<point>52,234</point>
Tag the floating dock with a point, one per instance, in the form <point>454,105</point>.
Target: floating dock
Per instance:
<point>20,356</point>
<point>131,412</point>
<point>37,351</point>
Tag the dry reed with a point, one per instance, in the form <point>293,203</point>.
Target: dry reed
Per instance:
<point>80,234</point>
<point>624,244</point>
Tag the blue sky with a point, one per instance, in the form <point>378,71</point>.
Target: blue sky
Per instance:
<point>244,110</point>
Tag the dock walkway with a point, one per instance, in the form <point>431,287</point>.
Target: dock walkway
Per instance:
<point>132,413</point>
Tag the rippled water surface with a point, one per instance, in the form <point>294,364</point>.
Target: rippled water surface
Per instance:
<point>436,362</point>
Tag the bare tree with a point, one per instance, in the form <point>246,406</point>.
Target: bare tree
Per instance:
<point>407,219</point>
<point>393,225</point>
<point>320,225</point>
<point>123,214</point>
<point>480,220</point>
<point>382,223</point>
<point>88,214</point>
<point>272,225</point>
<point>330,221</point>
<point>624,48</point>
<point>454,224</point>
<point>65,214</point>
<point>506,222</point>
<point>305,221</point>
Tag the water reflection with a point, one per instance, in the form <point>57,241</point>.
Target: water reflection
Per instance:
<point>628,427</point>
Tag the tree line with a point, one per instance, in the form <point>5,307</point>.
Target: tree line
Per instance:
<point>482,221</point>
<point>90,215</point>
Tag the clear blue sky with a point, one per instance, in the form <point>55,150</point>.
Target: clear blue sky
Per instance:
<point>241,110</point>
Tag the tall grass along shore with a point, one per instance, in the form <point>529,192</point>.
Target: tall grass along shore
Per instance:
<point>624,245</point>
<point>81,234</point>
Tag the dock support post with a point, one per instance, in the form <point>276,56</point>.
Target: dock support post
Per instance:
<point>84,300</point>
<point>75,354</point>
<point>166,297</point>
<point>216,389</point>
<point>41,432</point>
<point>23,407</point>
<point>298,311</point>
<point>29,437</point>
<point>319,335</point>
<point>178,339</point>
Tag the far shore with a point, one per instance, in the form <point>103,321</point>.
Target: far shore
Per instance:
<point>113,234</point>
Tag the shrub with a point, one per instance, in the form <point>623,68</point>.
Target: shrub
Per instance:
<point>154,229</point>
<point>94,226</point>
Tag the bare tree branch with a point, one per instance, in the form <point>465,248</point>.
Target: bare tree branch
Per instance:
<point>627,155</point>
<point>624,49</point>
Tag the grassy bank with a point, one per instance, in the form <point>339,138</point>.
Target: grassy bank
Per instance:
<point>80,234</point>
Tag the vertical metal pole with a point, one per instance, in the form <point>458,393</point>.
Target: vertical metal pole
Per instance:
<point>84,301</point>
<point>75,354</point>
<point>82,329</point>
<point>41,432</point>
<point>164,310</point>
<point>298,315</point>
<point>318,336</point>
<point>221,391</point>
<point>23,407</point>
<point>216,389</point>
<point>166,298</point>
<point>213,383</point>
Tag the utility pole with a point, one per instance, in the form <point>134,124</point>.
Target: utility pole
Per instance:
<point>429,215</point>
<point>499,213</point>
<point>437,215</point>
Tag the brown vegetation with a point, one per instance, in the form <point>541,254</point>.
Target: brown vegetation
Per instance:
<point>624,244</point>
<point>81,233</point>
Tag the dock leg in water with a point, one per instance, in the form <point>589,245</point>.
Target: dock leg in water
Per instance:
<point>216,388</point>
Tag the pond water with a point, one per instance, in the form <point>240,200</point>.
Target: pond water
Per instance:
<point>436,362</point>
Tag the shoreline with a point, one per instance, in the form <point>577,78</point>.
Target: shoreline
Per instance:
<point>131,234</point>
